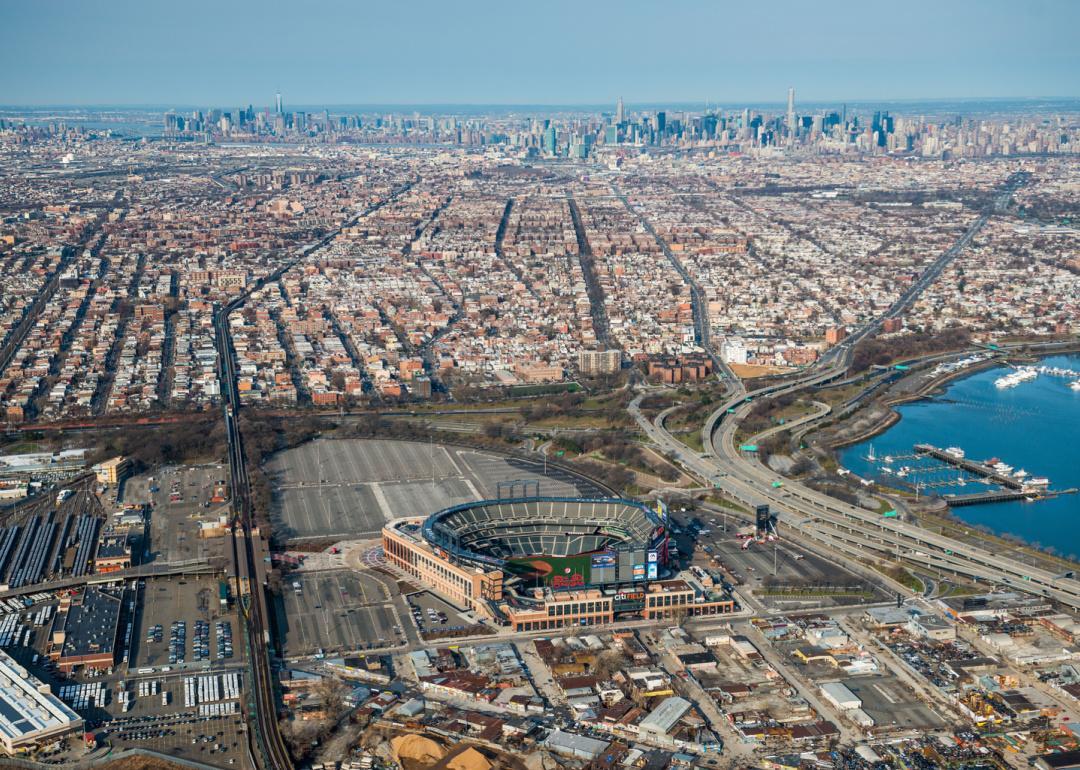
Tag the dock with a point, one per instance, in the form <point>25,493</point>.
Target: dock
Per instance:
<point>1002,496</point>
<point>990,496</point>
<point>971,466</point>
<point>1012,488</point>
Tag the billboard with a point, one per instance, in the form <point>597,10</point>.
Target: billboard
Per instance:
<point>639,572</point>
<point>605,559</point>
<point>653,572</point>
<point>653,557</point>
<point>761,517</point>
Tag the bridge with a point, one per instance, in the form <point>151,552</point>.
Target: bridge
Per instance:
<point>152,570</point>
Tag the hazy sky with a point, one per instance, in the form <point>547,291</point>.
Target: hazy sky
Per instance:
<point>232,52</point>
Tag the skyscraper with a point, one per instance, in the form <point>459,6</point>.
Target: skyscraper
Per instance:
<point>620,114</point>
<point>550,140</point>
<point>279,102</point>
<point>791,110</point>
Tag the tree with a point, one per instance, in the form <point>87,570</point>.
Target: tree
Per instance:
<point>608,662</point>
<point>332,692</point>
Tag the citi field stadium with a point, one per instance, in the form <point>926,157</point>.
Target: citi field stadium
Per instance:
<point>538,563</point>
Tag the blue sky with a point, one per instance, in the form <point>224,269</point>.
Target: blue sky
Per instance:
<point>194,52</point>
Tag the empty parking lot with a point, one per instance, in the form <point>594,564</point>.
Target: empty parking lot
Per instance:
<point>336,611</point>
<point>351,487</point>
<point>890,704</point>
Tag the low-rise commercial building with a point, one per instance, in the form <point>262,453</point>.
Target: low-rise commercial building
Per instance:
<point>86,629</point>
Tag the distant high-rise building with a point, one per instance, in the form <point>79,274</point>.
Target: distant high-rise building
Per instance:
<point>620,113</point>
<point>593,362</point>
<point>278,102</point>
<point>550,140</point>
<point>791,110</point>
<point>661,121</point>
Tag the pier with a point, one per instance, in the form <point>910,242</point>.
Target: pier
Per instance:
<point>971,466</point>
<point>1002,496</point>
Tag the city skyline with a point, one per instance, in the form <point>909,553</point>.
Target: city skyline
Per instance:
<point>492,386</point>
<point>126,54</point>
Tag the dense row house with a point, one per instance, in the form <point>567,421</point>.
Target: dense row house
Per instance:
<point>449,267</point>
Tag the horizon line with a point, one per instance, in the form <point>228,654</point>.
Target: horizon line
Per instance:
<point>572,105</point>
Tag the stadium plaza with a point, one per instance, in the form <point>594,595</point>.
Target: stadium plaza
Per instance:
<point>543,563</point>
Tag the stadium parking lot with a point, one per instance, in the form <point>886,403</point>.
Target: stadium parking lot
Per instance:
<point>754,567</point>
<point>429,611</point>
<point>336,611</point>
<point>352,487</point>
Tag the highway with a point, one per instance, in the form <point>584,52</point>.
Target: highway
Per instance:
<point>931,273</point>
<point>848,529</point>
<point>269,747</point>
<point>836,525</point>
<point>857,531</point>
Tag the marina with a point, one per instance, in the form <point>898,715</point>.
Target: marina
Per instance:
<point>1031,426</point>
<point>1028,373</point>
<point>929,469</point>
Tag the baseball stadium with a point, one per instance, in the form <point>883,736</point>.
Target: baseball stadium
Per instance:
<point>540,563</point>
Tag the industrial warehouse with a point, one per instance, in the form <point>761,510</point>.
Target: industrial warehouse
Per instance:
<point>540,563</point>
<point>30,715</point>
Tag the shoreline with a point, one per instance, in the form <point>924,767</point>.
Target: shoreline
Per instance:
<point>935,387</point>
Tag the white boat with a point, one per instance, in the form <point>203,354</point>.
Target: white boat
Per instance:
<point>1038,481</point>
<point>1012,379</point>
<point>956,452</point>
<point>1075,384</point>
<point>1021,474</point>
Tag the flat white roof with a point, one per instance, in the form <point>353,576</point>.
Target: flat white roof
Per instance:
<point>24,710</point>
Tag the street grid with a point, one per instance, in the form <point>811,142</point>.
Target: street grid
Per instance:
<point>352,487</point>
